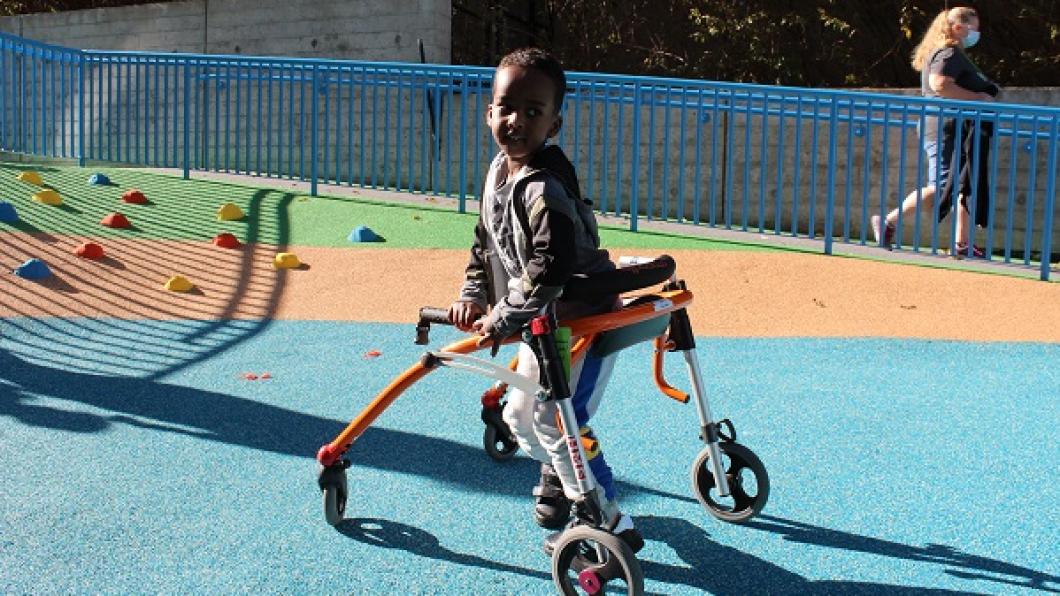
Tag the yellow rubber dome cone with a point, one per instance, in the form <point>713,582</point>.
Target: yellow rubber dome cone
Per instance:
<point>286,260</point>
<point>229,212</point>
<point>179,283</point>
<point>31,177</point>
<point>48,197</point>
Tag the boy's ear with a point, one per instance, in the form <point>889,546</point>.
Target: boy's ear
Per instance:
<point>556,125</point>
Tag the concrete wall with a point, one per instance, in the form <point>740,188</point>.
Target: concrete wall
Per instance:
<point>342,29</point>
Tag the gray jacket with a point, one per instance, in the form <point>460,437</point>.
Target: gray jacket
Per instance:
<point>534,232</point>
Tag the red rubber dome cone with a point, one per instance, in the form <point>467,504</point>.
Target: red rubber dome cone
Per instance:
<point>134,196</point>
<point>226,240</point>
<point>90,250</point>
<point>116,220</point>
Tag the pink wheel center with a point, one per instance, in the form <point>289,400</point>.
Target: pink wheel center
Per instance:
<point>590,582</point>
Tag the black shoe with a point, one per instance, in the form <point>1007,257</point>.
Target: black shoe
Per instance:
<point>625,530</point>
<point>552,507</point>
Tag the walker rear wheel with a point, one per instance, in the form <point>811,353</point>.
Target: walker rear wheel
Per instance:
<point>748,483</point>
<point>577,568</point>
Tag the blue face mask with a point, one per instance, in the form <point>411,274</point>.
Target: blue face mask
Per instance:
<point>972,39</point>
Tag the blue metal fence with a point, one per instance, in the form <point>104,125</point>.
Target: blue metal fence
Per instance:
<point>799,162</point>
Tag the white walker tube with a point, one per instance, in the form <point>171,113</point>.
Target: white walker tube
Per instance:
<point>700,395</point>
<point>489,370</point>
<point>571,434</point>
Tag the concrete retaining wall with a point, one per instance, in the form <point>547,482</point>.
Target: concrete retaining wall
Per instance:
<point>385,30</point>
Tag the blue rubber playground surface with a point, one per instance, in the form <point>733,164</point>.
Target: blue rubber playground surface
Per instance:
<point>136,457</point>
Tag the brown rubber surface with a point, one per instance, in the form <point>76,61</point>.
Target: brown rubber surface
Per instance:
<point>742,294</point>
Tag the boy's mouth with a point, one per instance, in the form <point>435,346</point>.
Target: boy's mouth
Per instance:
<point>513,138</point>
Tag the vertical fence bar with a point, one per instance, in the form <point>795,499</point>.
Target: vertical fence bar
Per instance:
<point>1010,212</point>
<point>714,158</point>
<point>604,149</point>
<point>1032,149</point>
<point>681,158</point>
<point>849,175</point>
<point>833,120</point>
<point>798,168</point>
<point>815,137</point>
<point>1050,202</point>
<point>778,209</point>
<point>635,167</point>
<point>746,209</point>
<point>3,93</point>
<point>313,140</point>
<point>80,109</point>
<point>883,166</point>
<point>866,169</point>
<point>462,175</point>
<point>994,146</point>
<point>589,142</point>
<point>187,121</point>
<point>763,157</point>
<point>698,176</point>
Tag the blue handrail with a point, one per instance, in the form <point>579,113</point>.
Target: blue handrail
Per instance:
<point>813,163</point>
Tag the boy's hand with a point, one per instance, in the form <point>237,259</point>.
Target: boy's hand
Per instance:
<point>481,327</point>
<point>464,314</point>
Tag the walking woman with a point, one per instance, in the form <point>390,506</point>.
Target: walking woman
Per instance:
<point>945,72</point>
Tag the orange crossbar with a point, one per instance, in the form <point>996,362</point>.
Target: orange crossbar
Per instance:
<point>581,328</point>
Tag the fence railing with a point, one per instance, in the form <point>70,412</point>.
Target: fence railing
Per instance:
<point>809,163</point>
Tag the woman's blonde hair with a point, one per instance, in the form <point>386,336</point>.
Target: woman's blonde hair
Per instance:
<point>940,34</point>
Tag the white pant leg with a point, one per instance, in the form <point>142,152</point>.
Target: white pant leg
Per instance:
<point>546,422</point>
<point>518,414</point>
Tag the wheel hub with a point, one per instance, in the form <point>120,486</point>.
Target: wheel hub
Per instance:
<point>590,582</point>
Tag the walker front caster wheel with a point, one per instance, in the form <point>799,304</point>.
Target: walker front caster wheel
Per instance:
<point>332,481</point>
<point>497,439</point>
<point>500,445</point>
<point>588,560</point>
<point>748,483</point>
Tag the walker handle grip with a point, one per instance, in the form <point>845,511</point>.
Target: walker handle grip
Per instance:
<point>428,315</point>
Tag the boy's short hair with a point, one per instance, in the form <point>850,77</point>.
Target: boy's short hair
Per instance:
<point>544,62</point>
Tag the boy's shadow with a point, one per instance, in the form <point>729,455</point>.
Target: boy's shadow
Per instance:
<point>975,567</point>
<point>718,569</point>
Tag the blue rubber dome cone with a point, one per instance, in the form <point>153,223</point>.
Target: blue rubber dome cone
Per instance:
<point>364,234</point>
<point>33,269</point>
<point>8,213</point>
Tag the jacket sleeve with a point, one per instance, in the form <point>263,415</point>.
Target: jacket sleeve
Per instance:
<point>550,265</point>
<point>476,277</point>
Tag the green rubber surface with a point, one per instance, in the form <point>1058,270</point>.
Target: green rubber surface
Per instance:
<point>181,209</point>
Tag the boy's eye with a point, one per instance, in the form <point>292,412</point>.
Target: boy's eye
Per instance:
<point>533,112</point>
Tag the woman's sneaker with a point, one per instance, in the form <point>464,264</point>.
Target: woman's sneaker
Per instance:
<point>551,506</point>
<point>962,251</point>
<point>882,229</point>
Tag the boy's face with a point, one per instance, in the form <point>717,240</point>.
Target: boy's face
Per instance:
<point>522,114</point>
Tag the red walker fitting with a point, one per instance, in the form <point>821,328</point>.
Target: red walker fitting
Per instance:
<point>328,455</point>
<point>540,325</point>
<point>491,398</point>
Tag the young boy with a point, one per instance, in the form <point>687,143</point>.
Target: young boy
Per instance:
<point>535,231</point>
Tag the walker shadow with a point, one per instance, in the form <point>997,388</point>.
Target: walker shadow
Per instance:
<point>710,567</point>
<point>971,566</point>
<point>393,535</point>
